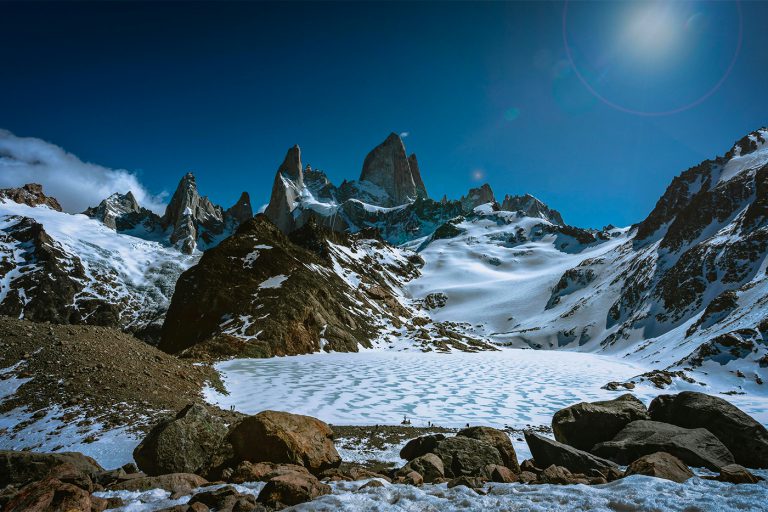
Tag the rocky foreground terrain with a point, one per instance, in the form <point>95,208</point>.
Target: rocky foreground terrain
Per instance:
<point>199,460</point>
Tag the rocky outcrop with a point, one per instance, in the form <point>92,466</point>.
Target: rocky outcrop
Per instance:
<point>260,293</point>
<point>285,438</point>
<point>388,168</point>
<point>695,447</point>
<point>548,452</point>
<point>660,465</point>
<point>30,194</point>
<point>224,499</point>
<point>178,484</point>
<point>585,424</point>
<point>184,444</point>
<point>241,211</point>
<point>477,196</point>
<point>736,474</point>
<point>531,207</point>
<point>746,439</point>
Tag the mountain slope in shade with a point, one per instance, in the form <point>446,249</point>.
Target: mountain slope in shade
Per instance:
<point>683,290</point>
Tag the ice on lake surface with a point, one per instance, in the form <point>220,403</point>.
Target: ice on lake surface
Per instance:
<point>509,387</point>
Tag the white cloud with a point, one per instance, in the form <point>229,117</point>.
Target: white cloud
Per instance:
<point>76,184</point>
<point>404,134</point>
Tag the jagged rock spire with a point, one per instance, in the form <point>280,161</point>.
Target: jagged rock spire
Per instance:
<point>286,189</point>
<point>186,210</point>
<point>114,207</point>
<point>421,190</point>
<point>388,167</point>
<point>531,207</point>
<point>477,196</point>
<point>241,210</point>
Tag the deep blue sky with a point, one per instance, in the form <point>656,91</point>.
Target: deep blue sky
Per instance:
<point>223,89</point>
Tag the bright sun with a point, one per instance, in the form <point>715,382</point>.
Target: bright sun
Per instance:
<point>652,29</point>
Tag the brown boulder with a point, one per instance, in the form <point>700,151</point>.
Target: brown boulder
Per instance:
<point>429,466</point>
<point>410,478</point>
<point>660,465</point>
<point>262,471</point>
<point>500,474</point>
<point>281,437</point>
<point>224,499</point>
<point>292,489</point>
<point>735,474</point>
<point>464,456</point>
<point>499,440</point>
<point>20,468</point>
<point>472,482</point>
<point>52,495</point>
<point>184,444</point>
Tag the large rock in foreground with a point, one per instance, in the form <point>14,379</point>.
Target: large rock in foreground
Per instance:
<point>20,468</point>
<point>496,438</point>
<point>547,452</point>
<point>585,424</point>
<point>696,447</point>
<point>184,444</point>
<point>281,437</point>
<point>660,465</point>
<point>292,489</point>
<point>740,433</point>
<point>463,456</point>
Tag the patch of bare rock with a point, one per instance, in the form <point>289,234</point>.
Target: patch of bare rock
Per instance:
<point>296,457</point>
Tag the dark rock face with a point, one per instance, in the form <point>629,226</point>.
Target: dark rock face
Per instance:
<point>531,207</point>
<point>225,499</point>
<point>746,439</point>
<point>585,424</point>
<point>421,189</point>
<point>464,456</point>
<point>388,168</point>
<point>184,444</point>
<point>281,437</point>
<point>496,438</point>
<point>51,495</point>
<point>477,196</point>
<point>547,452</point>
<point>260,293</point>
<point>30,194</point>
<point>660,465</point>
<point>695,447</point>
<point>21,468</point>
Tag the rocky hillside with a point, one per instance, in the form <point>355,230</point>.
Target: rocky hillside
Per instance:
<point>262,293</point>
<point>64,387</point>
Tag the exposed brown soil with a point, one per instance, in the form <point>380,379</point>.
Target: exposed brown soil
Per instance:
<point>112,377</point>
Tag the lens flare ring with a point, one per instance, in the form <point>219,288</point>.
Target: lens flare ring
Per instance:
<point>677,110</point>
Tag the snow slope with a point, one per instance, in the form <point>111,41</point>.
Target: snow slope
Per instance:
<point>135,274</point>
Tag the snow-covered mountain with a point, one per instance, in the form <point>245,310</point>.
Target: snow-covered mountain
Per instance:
<point>376,262</point>
<point>114,265</point>
<point>685,289</point>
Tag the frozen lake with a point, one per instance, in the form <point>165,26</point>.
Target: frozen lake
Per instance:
<point>511,387</point>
